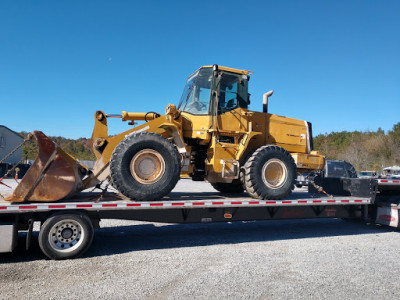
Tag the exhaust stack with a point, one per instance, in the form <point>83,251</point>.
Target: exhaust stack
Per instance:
<point>265,100</point>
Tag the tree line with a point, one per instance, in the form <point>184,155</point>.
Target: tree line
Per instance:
<point>79,148</point>
<point>365,150</point>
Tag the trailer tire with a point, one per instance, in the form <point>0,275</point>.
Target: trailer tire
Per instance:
<point>270,173</point>
<point>235,187</point>
<point>145,166</point>
<point>65,236</point>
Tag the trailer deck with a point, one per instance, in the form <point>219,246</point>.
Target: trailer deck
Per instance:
<point>195,207</point>
<point>389,185</point>
<point>67,226</point>
<point>88,201</point>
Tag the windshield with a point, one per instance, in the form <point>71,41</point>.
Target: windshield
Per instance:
<point>367,173</point>
<point>196,94</point>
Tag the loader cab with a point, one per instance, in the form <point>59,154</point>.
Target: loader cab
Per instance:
<point>211,97</point>
<point>214,88</point>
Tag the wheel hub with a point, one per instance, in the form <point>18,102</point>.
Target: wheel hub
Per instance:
<point>66,235</point>
<point>147,166</point>
<point>274,173</point>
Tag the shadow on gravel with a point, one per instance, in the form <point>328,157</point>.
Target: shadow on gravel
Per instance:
<point>114,240</point>
<point>123,239</point>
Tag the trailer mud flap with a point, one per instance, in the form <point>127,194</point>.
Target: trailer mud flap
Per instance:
<point>388,215</point>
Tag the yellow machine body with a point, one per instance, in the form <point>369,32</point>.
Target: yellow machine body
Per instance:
<point>212,130</point>
<point>244,129</point>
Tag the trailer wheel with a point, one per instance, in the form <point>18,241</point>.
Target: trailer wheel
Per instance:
<point>270,173</point>
<point>65,236</point>
<point>235,187</point>
<point>145,166</point>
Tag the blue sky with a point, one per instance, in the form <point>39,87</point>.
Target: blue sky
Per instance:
<point>333,63</point>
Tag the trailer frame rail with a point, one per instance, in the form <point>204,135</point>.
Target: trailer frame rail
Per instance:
<point>132,205</point>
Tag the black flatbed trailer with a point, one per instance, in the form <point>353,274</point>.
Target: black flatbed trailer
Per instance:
<point>67,226</point>
<point>389,185</point>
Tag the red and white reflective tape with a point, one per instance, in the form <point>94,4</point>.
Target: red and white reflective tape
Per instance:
<point>174,204</point>
<point>388,181</point>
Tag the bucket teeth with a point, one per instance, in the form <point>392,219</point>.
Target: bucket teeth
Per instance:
<point>53,176</point>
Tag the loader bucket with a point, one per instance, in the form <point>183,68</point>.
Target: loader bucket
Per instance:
<point>53,176</point>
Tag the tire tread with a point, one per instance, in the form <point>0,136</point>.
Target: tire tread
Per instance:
<point>119,177</point>
<point>253,186</point>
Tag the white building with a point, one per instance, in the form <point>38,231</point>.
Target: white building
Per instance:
<point>9,140</point>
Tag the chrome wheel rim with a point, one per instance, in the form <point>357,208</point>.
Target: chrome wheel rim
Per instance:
<point>66,235</point>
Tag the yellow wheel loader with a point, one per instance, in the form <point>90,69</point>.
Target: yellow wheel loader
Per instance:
<point>210,136</point>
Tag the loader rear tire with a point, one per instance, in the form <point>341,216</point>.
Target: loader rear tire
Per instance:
<point>145,166</point>
<point>270,173</point>
<point>235,187</point>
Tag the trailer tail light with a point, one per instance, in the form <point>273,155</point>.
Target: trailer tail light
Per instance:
<point>227,215</point>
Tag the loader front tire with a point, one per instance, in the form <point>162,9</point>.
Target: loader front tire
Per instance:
<point>145,166</point>
<point>235,187</point>
<point>270,173</point>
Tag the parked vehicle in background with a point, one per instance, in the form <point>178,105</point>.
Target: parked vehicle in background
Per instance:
<point>339,169</point>
<point>368,174</point>
<point>391,172</point>
<point>302,180</point>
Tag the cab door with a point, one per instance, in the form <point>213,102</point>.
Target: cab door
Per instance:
<point>227,130</point>
<point>229,102</point>
<point>196,115</point>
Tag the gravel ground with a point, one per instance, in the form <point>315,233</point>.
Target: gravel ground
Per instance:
<point>306,259</point>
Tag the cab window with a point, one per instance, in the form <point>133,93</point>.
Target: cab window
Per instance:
<point>196,96</point>
<point>228,95</point>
